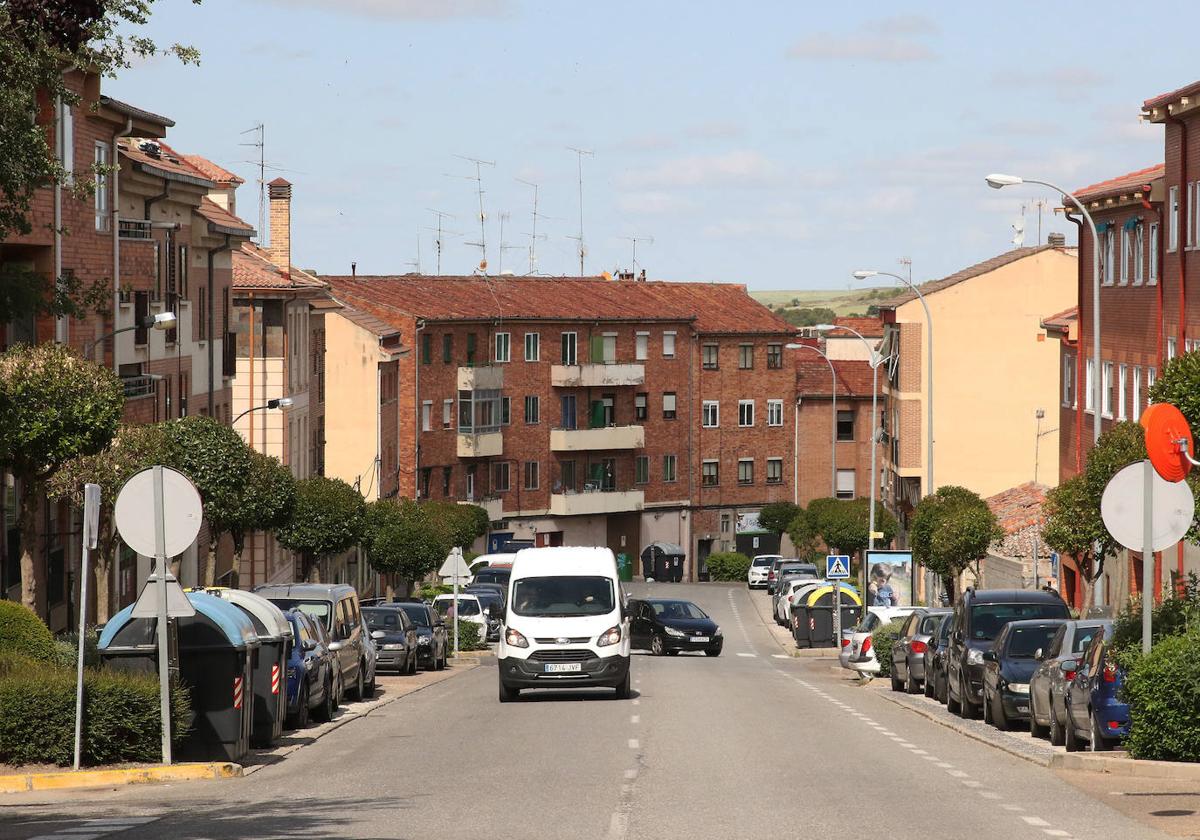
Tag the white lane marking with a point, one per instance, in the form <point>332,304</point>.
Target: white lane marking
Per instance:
<point>635,719</point>
<point>637,702</point>
<point>1011,807</point>
<point>920,752</point>
<point>780,656</point>
<point>1036,821</point>
<point>972,783</point>
<point>944,765</point>
<point>749,655</point>
<point>958,774</point>
<point>1056,832</point>
<point>633,743</point>
<point>931,758</point>
<point>906,744</point>
<point>988,794</point>
<point>631,774</point>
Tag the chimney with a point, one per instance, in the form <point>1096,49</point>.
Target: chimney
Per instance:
<point>642,276</point>
<point>353,269</point>
<point>280,192</point>
<point>1058,240</point>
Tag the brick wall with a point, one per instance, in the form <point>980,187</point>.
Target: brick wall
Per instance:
<point>815,447</point>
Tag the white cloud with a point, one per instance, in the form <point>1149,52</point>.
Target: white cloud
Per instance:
<point>892,40</point>
<point>716,130</point>
<point>744,167</point>
<point>420,10</point>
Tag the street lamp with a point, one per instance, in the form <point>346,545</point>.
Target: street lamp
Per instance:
<point>162,321</point>
<point>282,402</point>
<point>832,435</point>
<point>998,181</point>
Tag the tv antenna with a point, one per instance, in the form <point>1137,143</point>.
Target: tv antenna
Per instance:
<point>533,237</point>
<point>907,263</point>
<point>504,217</point>
<point>417,262</point>
<point>440,240</point>
<point>260,143</point>
<point>649,240</point>
<point>579,153</point>
<point>478,179</point>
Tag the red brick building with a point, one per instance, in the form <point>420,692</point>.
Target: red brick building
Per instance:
<point>659,415</point>
<point>817,429</point>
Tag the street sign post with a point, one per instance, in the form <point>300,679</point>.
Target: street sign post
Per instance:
<point>457,567</point>
<point>91,520</point>
<point>837,569</point>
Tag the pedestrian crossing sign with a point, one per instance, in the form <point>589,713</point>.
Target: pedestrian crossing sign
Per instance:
<point>837,567</point>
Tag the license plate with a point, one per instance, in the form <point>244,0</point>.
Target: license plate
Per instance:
<point>1021,707</point>
<point>700,639</point>
<point>562,667</point>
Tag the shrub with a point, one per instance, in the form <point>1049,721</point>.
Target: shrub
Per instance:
<point>881,642</point>
<point>728,565</point>
<point>121,720</point>
<point>66,650</point>
<point>1163,692</point>
<point>1176,615</point>
<point>468,635</point>
<point>23,633</point>
<point>429,591</point>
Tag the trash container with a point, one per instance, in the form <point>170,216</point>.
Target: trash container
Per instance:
<point>624,567</point>
<point>812,619</point>
<point>275,642</point>
<point>216,651</point>
<point>676,567</point>
<point>663,561</point>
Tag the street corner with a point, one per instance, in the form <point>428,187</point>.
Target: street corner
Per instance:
<point>117,777</point>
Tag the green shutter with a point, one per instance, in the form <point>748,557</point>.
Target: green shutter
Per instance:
<point>596,415</point>
<point>597,356</point>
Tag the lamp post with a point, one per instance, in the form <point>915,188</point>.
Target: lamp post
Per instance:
<point>832,435</point>
<point>162,321</point>
<point>282,402</point>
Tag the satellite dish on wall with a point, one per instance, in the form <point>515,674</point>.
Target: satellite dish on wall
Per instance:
<point>1122,507</point>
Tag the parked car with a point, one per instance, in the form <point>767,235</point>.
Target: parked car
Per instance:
<point>935,659</point>
<point>789,582</point>
<point>493,609</point>
<point>433,647</point>
<point>979,616</point>
<point>494,574</point>
<point>1094,710</point>
<point>1057,663</point>
<point>313,680</point>
<point>773,571</point>
<point>504,558</point>
<point>851,655</point>
<point>668,625</point>
<point>394,636</point>
<point>1008,667</point>
<point>756,576</point>
<point>336,607</point>
<point>371,660</point>
<point>908,653</point>
<point>498,588</point>
<point>469,608</point>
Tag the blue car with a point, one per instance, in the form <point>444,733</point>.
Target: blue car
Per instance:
<point>1095,714</point>
<point>312,674</point>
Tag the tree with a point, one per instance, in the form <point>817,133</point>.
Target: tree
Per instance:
<point>1179,385</point>
<point>844,523</point>
<point>135,448</point>
<point>777,516</point>
<point>402,539</point>
<point>217,461</point>
<point>459,525</point>
<point>802,531</point>
<point>951,530</point>
<point>54,406</point>
<point>268,500</point>
<point>327,519</point>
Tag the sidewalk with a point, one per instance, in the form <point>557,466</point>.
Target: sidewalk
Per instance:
<point>781,635</point>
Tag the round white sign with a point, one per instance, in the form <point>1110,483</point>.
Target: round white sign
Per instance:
<point>1123,509</point>
<point>182,512</point>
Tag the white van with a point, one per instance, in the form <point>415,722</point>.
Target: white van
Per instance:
<point>565,624</point>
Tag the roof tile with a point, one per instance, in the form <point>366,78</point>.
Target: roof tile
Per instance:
<point>213,172</point>
<point>1122,183</point>
<point>854,377</point>
<point>252,269</point>
<point>1018,507</point>
<point>218,215</point>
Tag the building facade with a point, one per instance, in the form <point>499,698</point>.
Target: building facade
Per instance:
<point>834,449</point>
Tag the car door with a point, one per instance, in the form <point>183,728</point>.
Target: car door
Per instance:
<point>900,648</point>
<point>1079,690</point>
<point>347,656</point>
<point>1043,677</point>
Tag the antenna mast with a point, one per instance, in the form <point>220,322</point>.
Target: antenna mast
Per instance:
<point>261,144</point>
<point>478,179</point>
<point>438,242</point>
<point>579,153</point>
<point>649,240</point>
<point>533,237</point>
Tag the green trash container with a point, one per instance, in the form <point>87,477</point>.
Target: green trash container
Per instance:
<point>624,567</point>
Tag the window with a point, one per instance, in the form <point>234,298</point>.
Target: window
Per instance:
<point>745,413</point>
<point>669,345</point>
<point>710,414</point>
<point>1068,381</point>
<point>569,346</point>
<point>845,484</point>
<point>427,415</point>
<point>710,475</point>
<point>426,474</point>
<point>532,408</point>
<point>202,314</point>
<point>141,311</point>
<point>669,468</point>
<point>641,469</point>
<point>447,413</point>
<point>470,348</point>
<point>709,356</point>
<point>774,356</point>
<point>745,471</point>
<point>1191,214</point>
<point>1135,401</point>
<point>567,418</point>
<point>1089,396</point>
<point>426,349</point>
<point>1122,378</point>
<point>1139,254</point>
<point>845,424</point>
<point>1126,254</point>
<point>447,348</point>
<point>640,406</point>
<point>774,412</point>
<point>774,471</point>
<point>726,523</point>
<point>533,347</point>
<point>503,347</point>
<point>1110,249</point>
<point>1170,349</point>
<point>1106,386</point>
<point>500,477</point>
<point>1173,219</point>
<point>505,410</point>
<point>745,356</point>
<point>531,475</point>
<point>1152,274</point>
<point>669,405</point>
<point>102,199</point>
<point>1151,373</point>
<point>642,346</point>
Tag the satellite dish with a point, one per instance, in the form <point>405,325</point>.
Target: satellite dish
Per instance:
<point>1165,426</point>
<point>1018,232</point>
<point>1122,508</point>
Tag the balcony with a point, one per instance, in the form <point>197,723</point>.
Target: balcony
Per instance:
<point>493,505</point>
<point>480,444</point>
<point>483,378</point>
<point>139,386</point>
<point>596,502</point>
<point>596,376</point>
<point>590,440</point>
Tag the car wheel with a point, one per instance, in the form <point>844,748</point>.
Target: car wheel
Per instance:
<point>623,688</point>
<point>1071,741</point>
<point>325,711</point>
<point>911,685</point>
<point>930,690</point>
<point>986,708</point>
<point>897,685</point>
<point>359,688</point>
<point>999,717</point>
<point>966,709</point>
<point>1098,742</point>
<point>952,704</point>
<point>943,690</point>
<point>656,645</point>
<point>508,693</point>
<point>712,652</point>
<point>369,688</point>
<point>1035,729</point>
<point>302,713</point>
<point>1057,736</point>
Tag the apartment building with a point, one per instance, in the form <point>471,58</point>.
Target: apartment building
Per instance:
<point>585,410</point>
<point>833,437</point>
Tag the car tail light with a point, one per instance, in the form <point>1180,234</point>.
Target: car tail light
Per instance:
<point>1114,724</point>
<point>1110,672</point>
<point>866,648</point>
<point>918,647</point>
<point>845,643</point>
<point>789,599</point>
<point>1069,676</point>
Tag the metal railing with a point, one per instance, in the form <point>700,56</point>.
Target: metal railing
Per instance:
<point>139,386</point>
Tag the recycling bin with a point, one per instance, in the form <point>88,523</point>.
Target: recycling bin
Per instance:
<point>275,642</point>
<point>812,615</point>
<point>663,561</point>
<point>216,650</point>
<point>624,567</point>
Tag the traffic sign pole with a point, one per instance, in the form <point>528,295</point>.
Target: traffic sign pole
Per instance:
<point>837,569</point>
<point>91,516</point>
<point>1147,555</point>
<point>164,664</point>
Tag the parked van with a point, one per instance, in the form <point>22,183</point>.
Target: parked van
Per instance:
<point>565,624</point>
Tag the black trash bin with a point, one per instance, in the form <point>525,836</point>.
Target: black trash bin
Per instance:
<point>663,561</point>
<point>812,617</point>
<point>216,651</point>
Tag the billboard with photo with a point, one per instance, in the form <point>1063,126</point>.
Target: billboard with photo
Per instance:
<point>889,579</point>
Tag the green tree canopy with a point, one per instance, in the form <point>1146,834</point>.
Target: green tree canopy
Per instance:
<point>326,520</point>
<point>844,523</point>
<point>459,525</point>
<point>54,406</point>
<point>952,530</point>
<point>777,516</point>
<point>403,539</point>
<point>1179,385</point>
<point>268,499</point>
<point>802,531</point>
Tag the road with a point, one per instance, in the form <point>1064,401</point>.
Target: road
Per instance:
<point>753,744</point>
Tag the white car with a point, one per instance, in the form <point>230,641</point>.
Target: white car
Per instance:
<point>783,608</point>
<point>469,609</point>
<point>852,656</point>
<point>756,578</point>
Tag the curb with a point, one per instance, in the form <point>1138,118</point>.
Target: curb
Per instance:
<point>466,655</point>
<point>67,780</point>
<point>1123,765</point>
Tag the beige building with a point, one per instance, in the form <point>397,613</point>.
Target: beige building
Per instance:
<point>993,369</point>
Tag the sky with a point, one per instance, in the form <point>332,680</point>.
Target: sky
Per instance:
<point>782,145</point>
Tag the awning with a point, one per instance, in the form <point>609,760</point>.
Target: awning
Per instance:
<point>1132,222</point>
<point>1102,227</point>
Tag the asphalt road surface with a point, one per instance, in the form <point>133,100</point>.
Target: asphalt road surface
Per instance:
<point>751,745</point>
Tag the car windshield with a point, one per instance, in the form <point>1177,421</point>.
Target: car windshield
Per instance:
<point>1024,642</point>
<point>869,623</point>
<point>490,575</point>
<point>386,620</point>
<point>678,609</point>
<point>930,624</point>
<point>319,610</point>
<point>987,620</point>
<point>562,596</point>
<point>418,614</point>
<point>465,606</point>
<point>763,561</point>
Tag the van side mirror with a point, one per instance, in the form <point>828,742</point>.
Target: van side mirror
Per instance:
<point>989,656</point>
<point>1037,654</point>
<point>1068,665</point>
<point>308,644</point>
<point>377,634</point>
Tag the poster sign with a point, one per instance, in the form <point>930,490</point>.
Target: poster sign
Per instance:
<point>889,579</point>
<point>747,523</point>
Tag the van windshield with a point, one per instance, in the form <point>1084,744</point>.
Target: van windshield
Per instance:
<point>543,597</point>
<point>319,610</point>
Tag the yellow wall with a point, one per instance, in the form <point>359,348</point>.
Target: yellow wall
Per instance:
<point>990,374</point>
<point>351,402</point>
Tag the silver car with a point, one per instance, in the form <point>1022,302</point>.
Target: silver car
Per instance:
<point>1056,668</point>
<point>908,653</point>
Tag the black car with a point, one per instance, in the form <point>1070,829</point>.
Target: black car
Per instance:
<point>667,625</point>
<point>935,659</point>
<point>1008,667</point>
<point>395,638</point>
<point>494,574</point>
<point>979,616</point>
<point>432,642</point>
<point>313,679</point>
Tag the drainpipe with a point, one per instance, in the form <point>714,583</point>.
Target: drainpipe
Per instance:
<point>115,198</point>
<point>212,252</point>
<point>1183,226</point>
<point>1079,377</point>
<point>60,324</point>
<point>417,408</point>
<point>147,203</point>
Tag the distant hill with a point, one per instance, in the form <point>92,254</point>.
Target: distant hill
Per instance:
<point>847,302</point>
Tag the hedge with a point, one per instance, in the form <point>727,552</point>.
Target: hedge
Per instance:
<point>882,641</point>
<point>468,635</point>
<point>121,719</point>
<point>1163,692</point>
<point>23,633</point>
<point>728,565</point>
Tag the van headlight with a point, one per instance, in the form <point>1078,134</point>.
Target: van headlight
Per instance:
<point>974,657</point>
<point>393,646</point>
<point>671,631</point>
<point>609,637</point>
<point>515,638</point>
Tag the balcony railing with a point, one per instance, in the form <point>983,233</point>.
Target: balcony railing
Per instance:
<point>482,378</point>
<point>480,444</point>
<point>139,386</point>
<point>596,375</point>
<point>590,440</point>
<point>596,501</point>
